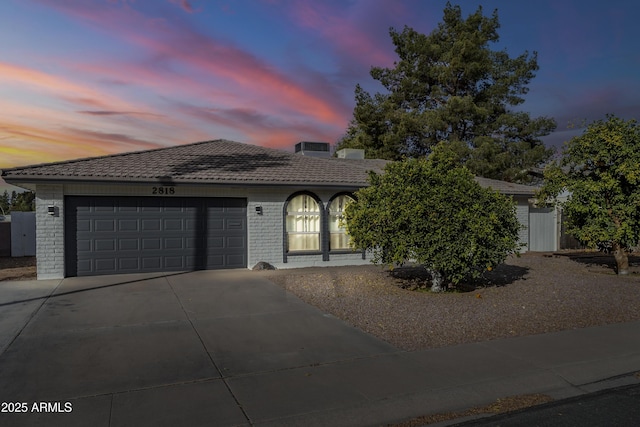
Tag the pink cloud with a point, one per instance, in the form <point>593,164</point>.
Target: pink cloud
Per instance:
<point>177,43</point>
<point>61,87</point>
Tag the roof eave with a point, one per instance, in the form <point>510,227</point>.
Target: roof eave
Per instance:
<point>38,179</point>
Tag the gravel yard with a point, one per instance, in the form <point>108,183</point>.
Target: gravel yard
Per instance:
<point>535,293</point>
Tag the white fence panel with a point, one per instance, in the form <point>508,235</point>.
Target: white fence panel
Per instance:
<point>542,230</point>
<point>23,234</point>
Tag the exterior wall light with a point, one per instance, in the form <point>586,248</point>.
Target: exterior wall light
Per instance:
<point>259,210</point>
<point>51,210</point>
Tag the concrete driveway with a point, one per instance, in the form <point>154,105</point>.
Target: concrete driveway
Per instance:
<point>230,348</point>
<point>198,348</point>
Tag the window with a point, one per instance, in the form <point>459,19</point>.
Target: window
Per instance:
<point>303,224</point>
<point>338,237</point>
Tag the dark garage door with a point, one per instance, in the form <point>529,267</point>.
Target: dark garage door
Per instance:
<point>108,235</point>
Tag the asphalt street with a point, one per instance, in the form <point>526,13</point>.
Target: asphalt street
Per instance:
<point>619,407</point>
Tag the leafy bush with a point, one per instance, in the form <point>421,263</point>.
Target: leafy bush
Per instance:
<point>434,213</point>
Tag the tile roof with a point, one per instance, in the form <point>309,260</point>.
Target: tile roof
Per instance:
<point>219,162</point>
<point>213,162</point>
<point>507,187</point>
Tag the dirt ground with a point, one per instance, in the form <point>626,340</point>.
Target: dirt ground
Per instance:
<point>23,268</point>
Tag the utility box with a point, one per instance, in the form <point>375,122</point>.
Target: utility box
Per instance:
<point>351,153</point>
<point>313,149</point>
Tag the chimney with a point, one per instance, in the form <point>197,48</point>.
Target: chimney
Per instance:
<point>351,153</point>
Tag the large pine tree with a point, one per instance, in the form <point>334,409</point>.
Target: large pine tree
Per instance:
<point>451,86</point>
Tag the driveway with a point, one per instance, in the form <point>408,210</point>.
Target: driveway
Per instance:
<point>198,348</point>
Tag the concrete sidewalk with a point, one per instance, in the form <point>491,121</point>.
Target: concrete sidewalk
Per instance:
<point>231,348</point>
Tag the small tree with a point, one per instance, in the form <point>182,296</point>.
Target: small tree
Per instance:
<point>24,201</point>
<point>600,171</point>
<point>5,202</point>
<point>434,213</point>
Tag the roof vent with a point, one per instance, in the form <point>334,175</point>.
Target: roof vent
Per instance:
<point>313,149</point>
<point>350,153</point>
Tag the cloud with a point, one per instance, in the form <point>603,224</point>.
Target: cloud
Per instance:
<point>121,141</point>
<point>341,29</point>
<point>259,128</point>
<point>24,144</point>
<point>60,87</point>
<point>28,144</point>
<point>184,4</point>
<point>120,113</point>
<point>177,44</point>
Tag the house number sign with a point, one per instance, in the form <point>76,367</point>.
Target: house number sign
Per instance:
<point>163,191</point>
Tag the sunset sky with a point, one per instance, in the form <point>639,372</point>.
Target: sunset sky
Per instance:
<point>85,78</point>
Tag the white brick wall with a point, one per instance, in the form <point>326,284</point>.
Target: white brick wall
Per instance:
<point>266,241</point>
<point>264,232</point>
<point>50,232</point>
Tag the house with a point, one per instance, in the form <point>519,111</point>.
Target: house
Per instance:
<point>207,205</point>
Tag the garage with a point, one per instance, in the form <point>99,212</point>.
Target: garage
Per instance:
<point>109,235</point>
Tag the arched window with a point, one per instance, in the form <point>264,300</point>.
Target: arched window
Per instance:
<point>338,237</point>
<point>303,224</point>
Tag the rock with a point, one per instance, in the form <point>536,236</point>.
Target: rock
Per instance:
<point>263,266</point>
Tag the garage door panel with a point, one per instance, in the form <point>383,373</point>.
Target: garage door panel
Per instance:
<point>102,245</point>
<point>104,225</point>
<point>237,261</point>
<point>214,243</point>
<point>151,244</point>
<point>191,262</point>
<point>151,225</point>
<point>193,243</point>
<point>235,242</point>
<point>235,224</point>
<point>128,244</point>
<point>175,262</point>
<point>128,225</point>
<point>107,235</point>
<point>152,263</point>
<point>132,264</point>
<point>174,243</point>
<point>84,245</point>
<point>105,265</point>
<point>84,225</point>
<point>173,224</point>
<point>215,225</point>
